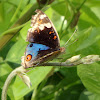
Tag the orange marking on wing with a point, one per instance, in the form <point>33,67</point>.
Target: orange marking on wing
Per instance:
<point>54,37</point>
<point>51,32</point>
<point>39,21</point>
<point>38,30</point>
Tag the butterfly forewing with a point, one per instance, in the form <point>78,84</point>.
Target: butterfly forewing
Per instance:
<point>43,31</point>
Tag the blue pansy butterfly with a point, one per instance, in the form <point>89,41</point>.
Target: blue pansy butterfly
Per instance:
<point>44,41</point>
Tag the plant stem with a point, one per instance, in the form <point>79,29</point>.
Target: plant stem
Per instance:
<point>81,5</point>
<point>8,81</point>
<point>16,12</point>
<point>75,60</point>
<point>37,90</point>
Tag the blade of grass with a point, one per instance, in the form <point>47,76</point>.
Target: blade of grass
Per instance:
<point>6,38</point>
<point>16,12</point>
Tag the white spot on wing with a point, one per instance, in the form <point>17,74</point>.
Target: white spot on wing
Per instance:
<point>42,16</point>
<point>41,26</point>
<point>48,25</point>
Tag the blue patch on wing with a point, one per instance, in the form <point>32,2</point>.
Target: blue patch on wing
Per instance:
<point>33,49</point>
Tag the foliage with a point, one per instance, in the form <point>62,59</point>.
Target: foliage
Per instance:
<point>81,82</point>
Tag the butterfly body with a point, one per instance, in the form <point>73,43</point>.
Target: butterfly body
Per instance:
<point>45,44</point>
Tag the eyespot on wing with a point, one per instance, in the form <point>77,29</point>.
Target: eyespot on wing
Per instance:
<point>28,57</point>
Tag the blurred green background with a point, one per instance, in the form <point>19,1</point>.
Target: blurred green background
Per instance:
<point>81,82</point>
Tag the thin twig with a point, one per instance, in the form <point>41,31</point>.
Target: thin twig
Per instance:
<point>75,60</point>
<point>8,81</point>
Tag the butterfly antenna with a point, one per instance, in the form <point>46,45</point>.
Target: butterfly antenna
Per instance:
<point>70,38</point>
<point>72,42</point>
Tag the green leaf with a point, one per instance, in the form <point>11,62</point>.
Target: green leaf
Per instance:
<point>86,95</point>
<point>24,31</point>
<point>4,69</point>
<point>1,12</point>
<point>36,76</point>
<point>91,16</point>
<point>89,75</point>
<point>60,9</point>
<point>90,37</point>
<point>17,50</point>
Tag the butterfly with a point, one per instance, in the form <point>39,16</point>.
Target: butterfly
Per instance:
<point>44,41</point>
